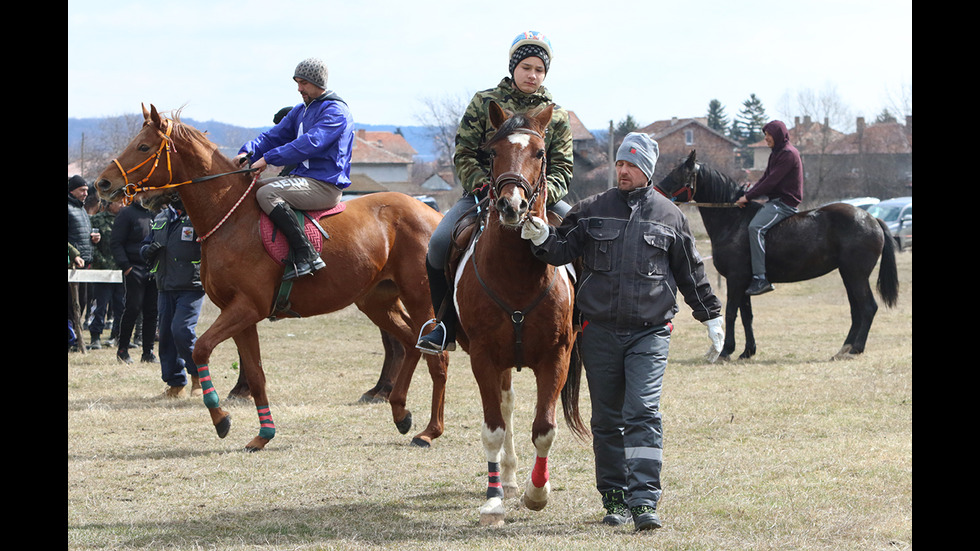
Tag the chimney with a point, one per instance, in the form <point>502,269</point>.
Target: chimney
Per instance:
<point>908,124</point>
<point>362,133</point>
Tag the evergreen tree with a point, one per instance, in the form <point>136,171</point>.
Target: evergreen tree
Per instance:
<point>751,119</point>
<point>717,119</point>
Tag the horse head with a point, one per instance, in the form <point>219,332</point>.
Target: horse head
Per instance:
<point>148,165</point>
<point>518,184</point>
<point>681,183</point>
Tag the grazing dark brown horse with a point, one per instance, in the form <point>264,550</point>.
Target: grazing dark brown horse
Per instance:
<point>516,311</point>
<point>375,259</point>
<point>804,246</point>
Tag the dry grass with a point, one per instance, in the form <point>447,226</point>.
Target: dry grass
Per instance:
<point>786,451</point>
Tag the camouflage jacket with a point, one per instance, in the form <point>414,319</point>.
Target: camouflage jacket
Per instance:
<point>102,253</point>
<point>472,161</point>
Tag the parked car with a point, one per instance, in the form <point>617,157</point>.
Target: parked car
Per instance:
<point>897,213</point>
<point>861,202</point>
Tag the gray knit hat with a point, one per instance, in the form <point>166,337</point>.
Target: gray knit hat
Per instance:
<point>312,70</point>
<point>641,150</point>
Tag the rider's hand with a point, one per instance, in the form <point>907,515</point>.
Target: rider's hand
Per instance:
<point>535,230</point>
<point>717,335</point>
<point>741,202</point>
<point>260,165</point>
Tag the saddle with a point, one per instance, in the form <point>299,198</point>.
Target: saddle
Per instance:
<point>278,249</point>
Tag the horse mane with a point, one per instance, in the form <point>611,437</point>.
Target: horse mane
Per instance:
<point>718,185</point>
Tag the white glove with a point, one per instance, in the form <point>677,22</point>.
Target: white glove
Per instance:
<point>716,332</point>
<point>535,230</point>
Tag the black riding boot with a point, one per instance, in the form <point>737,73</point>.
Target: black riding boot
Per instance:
<point>305,257</point>
<point>443,337</point>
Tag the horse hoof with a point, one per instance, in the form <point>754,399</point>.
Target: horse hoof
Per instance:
<point>532,504</point>
<point>405,424</point>
<point>368,398</point>
<point>223,426</point>
<point>491,519</point>
<point>257,444</point>
<point>421,443</point>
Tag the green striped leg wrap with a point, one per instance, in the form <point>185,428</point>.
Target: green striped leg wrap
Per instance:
<point>207,387</point>
<point>267,428</point>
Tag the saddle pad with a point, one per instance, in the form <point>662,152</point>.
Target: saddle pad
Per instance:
<point>275,242</point>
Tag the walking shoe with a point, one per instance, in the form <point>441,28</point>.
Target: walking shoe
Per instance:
<point>645,518</point>
<point>758,286</point>
<point>95,344</point>
<point>617,512</point>
<point>148,357</point>
<point>174,392</point>
<point>123,356</point>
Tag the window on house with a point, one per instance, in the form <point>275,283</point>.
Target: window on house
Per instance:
<point>689,137</point>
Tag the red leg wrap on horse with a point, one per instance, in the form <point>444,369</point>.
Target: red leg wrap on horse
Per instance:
<point>539,476</point>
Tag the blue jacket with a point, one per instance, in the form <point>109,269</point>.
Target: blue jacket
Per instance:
<point>317,138</point>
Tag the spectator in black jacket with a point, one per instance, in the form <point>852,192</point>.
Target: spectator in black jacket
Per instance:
<point>173,254</point>
<point>130,227</point>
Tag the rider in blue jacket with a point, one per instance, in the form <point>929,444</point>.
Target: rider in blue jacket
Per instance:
<point>317,136</point>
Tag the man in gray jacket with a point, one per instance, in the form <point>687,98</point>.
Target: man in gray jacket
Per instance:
<point>637,251</point>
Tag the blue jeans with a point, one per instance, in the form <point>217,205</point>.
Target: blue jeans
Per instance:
<point>625,371</point>
<point>179,311</point>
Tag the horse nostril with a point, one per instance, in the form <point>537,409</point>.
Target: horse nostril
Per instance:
<point>103,184</point>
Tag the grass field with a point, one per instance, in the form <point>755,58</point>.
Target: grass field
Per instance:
<point>788,450</point>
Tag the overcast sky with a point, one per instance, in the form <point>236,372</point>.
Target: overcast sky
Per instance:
<point>233,62</point>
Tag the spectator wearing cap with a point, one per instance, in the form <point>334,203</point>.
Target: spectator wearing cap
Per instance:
<point>637,251</point>
<point>316,138</point>
<point>529,60</point>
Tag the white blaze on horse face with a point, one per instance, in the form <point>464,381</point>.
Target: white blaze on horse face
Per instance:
<point>520,139</point>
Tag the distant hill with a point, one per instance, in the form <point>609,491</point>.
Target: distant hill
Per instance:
<point>231,137</point>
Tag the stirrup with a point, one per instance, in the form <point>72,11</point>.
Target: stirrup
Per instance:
<point>430,347</point>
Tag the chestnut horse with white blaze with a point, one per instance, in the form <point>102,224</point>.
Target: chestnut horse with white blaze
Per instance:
<point>516,311</point>
<point>374,251</point>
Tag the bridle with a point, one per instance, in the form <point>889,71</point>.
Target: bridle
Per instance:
<point>688,190</point>
<point>131,189</point>
<point>505,179</point>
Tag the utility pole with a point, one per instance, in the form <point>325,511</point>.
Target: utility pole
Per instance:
<point>612,162</point>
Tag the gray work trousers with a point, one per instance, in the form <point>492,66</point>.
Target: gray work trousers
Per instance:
<point>625,373</point>
<point>298,192</point>
<point>768,216</point>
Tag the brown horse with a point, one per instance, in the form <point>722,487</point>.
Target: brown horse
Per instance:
<point>375,259</point>
<point>516,311</point>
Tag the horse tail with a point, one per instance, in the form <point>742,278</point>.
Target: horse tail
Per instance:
<point>888,269</point>
<point>570,395</point>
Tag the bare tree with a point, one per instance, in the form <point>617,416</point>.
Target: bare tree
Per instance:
<point>441,115</point>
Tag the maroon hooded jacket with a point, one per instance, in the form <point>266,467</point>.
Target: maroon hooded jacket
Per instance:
<point>783,178</point>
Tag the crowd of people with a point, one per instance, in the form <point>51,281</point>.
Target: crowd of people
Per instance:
<point>636,249</point>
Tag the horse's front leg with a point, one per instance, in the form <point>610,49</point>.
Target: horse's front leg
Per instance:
<point>493,437</point>
<point>746,310</point>
<point>543,431</point>
<point>251,365</point>
<point>732,304</point>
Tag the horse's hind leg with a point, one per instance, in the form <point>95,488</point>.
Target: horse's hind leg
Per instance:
<point>394,356</point>
<point>863,309</point>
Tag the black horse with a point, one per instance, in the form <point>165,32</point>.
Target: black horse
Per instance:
<point>804,246</point>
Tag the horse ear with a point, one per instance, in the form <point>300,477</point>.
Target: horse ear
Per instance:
<point>146,113</point>
<point>544,117</point>
<point>154,115</point>
<point>497,115</point>
<point>692,158</point>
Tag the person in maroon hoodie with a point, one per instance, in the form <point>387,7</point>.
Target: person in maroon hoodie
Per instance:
<point>782,183</point>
